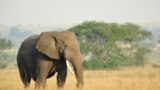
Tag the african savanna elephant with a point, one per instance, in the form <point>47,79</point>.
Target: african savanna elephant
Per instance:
<point>41,56</point>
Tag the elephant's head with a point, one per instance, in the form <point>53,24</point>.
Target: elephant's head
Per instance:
<point>58,45</point>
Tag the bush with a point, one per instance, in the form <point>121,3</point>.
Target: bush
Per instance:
<point>3,65</point>
<point>93,64</point>
<point>99,64</point>
<point>140,56</point>
<point>112,64</point>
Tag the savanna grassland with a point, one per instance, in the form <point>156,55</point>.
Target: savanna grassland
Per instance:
<point>122,79</point>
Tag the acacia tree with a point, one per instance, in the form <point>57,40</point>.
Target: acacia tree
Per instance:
<point>101,39</point>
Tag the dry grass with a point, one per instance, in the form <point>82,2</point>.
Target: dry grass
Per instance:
<point>124,79</point>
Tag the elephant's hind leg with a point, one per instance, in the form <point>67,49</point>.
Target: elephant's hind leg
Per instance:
<point>25,76</point>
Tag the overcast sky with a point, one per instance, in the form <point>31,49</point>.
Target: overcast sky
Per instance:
<point>70,12</point>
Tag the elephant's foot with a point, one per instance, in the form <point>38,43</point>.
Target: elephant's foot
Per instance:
<point>27,88</point>
<point>60,85</point>
<point>40,86</point>
<point>79,85</point>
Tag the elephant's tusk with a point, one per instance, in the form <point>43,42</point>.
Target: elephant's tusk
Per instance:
<point>70,67</point>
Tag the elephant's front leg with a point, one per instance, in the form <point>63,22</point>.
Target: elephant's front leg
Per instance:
<point>42,71</point>
<point>62,74</point>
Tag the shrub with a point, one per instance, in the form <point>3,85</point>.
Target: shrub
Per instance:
<point>3,65</point>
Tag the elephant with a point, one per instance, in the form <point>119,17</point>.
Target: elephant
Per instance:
<point>41,56</point>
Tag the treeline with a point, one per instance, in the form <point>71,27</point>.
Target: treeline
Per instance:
<point>5,58</point>
<point>111,45</point>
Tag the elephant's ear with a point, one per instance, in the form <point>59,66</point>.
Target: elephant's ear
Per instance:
<point>47,45</point>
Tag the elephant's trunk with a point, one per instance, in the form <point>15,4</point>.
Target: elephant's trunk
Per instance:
<point>77,66</point>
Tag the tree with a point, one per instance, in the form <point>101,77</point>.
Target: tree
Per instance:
<point>105,41</point>
<point>140,56</point>
<point>4,44</point>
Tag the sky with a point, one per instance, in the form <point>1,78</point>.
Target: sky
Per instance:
<point>71,12</point>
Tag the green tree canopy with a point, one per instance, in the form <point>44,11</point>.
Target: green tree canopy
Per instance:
<point>103,40</point>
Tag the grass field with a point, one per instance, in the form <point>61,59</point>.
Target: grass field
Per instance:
<point>123,79</point>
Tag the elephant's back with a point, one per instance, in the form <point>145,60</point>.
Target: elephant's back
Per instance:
<point>31,39</point>
<point>27,48</point>
<point>29,43</point>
